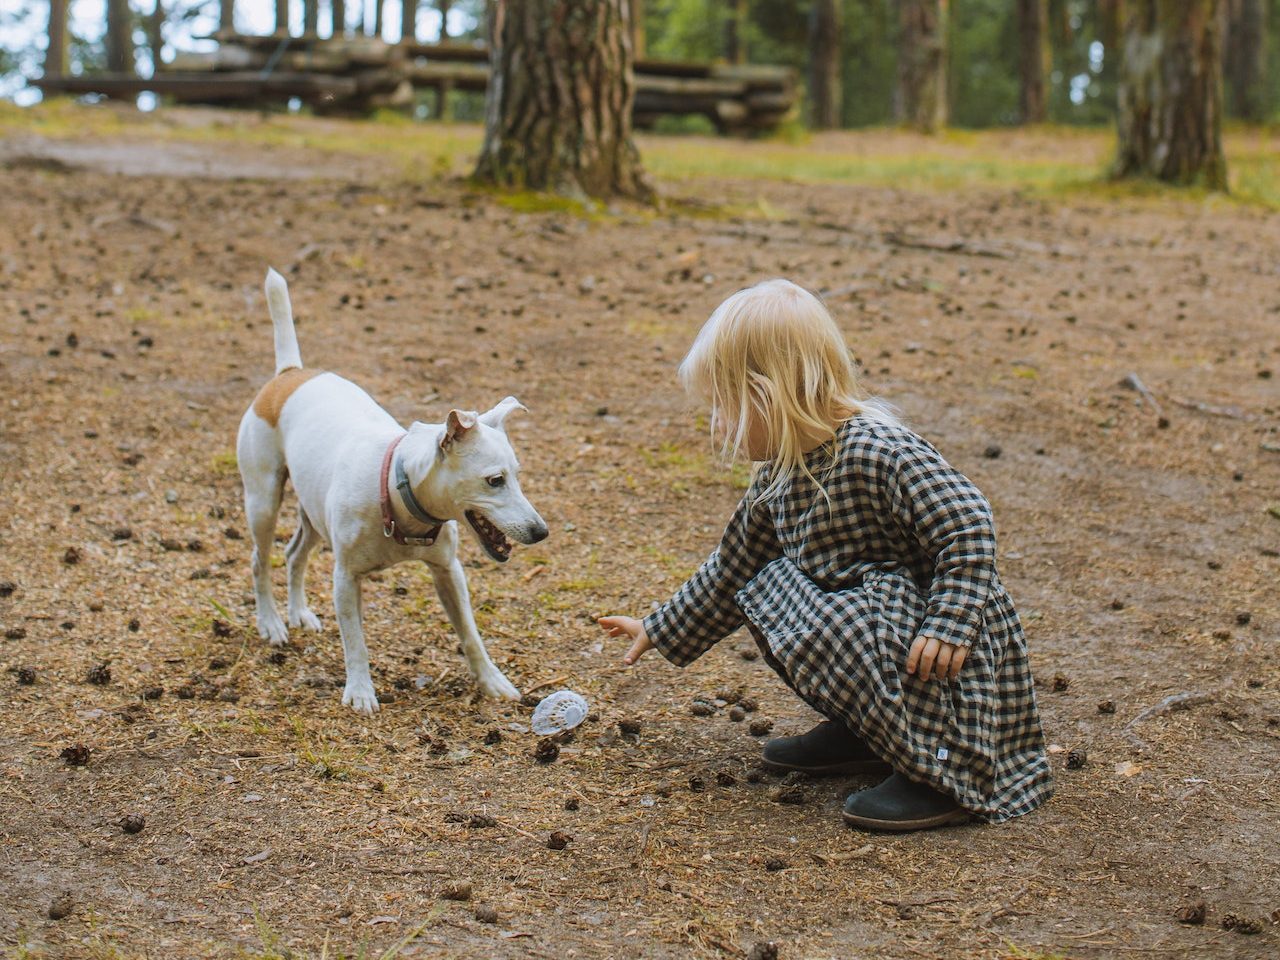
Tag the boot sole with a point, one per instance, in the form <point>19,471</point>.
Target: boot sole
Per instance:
<point>898,826</point>
<point>831,769</point>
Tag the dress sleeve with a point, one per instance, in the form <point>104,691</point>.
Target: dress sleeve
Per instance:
<point>951,520</point>
<point>703,611</point>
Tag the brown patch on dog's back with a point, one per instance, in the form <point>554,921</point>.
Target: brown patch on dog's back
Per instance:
<point>272,397</point>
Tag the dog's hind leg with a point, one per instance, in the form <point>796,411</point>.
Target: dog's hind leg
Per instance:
<point>262,469</point>
<point>347,601</point>
<point>304,540</point>
<point>451,587</point>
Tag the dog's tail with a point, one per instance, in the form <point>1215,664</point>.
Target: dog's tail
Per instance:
<point>287,354</point>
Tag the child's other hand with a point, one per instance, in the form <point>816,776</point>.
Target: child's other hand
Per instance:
<point>633,630</point>
<point>932,659</point>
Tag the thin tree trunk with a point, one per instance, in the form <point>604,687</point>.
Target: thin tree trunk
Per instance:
<point>338,18</point>
<point>1170,97</point>
<point>735,32</point>
<point>921,100</point>
<point>408,20</point>
<point>282,17</point>
<point>226,16</point>
<point>55,58</point>
<point>310,18</point>
<point>444,7</point>
<point>1033,60</point>
<point>824,63</point>
<point>377,17</point>
<point>1244,58</point>
<point>119,36</point>
<point>558,106</point>
<point>155,34</point>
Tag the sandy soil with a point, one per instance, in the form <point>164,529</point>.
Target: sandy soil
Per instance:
<point>1142,544</point>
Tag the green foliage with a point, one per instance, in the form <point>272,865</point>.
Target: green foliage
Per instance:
<point>983,64</point>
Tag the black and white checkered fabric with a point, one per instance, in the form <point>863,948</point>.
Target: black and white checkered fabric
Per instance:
<point>838,593</point>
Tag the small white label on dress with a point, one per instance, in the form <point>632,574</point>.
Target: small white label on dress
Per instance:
<point>943,753</point>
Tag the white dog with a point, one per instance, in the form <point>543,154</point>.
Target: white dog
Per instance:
<point>377,494</point>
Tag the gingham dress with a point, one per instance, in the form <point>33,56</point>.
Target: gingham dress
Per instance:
<point>837,594</point>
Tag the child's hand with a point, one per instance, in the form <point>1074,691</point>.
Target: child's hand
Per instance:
<point>932,659</point>
<point>630,628</point>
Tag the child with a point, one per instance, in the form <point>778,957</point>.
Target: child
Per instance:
<point>864,566</point>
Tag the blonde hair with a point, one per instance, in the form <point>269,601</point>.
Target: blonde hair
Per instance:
<point>772,354</point>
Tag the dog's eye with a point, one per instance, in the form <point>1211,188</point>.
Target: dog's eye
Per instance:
<point>498,481</point>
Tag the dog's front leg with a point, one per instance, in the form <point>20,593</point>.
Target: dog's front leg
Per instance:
<point>348,603</point>
<point>451,587</point>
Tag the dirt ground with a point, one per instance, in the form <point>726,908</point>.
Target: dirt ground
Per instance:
<point>1141,542</point>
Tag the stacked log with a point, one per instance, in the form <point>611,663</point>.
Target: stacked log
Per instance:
<point>362,74</point>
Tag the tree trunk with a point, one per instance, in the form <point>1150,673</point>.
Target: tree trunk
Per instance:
<point>1170,99</point>
<point>155,33</point>
<point>282,17</point>
<point>444,6</point>
<point>310,18</point>
<point>55,58</point>
<point>558,106</point>
<point>377,17</point>
<point>922,64</point>
<point>1033,60</point>
<point>226,15</point>
<point>338,18</point>
<point>408,20</point>
<point>638,39</point>
<point>735,32</point>
<point>824,63</point>
<point>119,36</point>
<point>1244,58</point>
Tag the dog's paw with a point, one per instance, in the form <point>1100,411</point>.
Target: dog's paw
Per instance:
<point>272,629</point>
<point>497,686</point>
<point>306,619</point>
<point>359,696</point>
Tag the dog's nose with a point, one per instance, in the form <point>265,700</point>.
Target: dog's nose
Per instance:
<point>538,532</point>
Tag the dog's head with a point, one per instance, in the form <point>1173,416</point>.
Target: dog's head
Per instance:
<point>477,473</point>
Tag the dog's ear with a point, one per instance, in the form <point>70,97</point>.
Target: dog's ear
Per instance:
<point>497,417</point>
<point>456,426</point>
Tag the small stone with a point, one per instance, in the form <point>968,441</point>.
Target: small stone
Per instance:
<point>697,784</point>
<point>629,726</point>
<point>99,674</point>
<point>1076,759</point>
<point>120,534</point>
<point>558,840</point>
<point>96,606</point>
<point>76,755</point>
<point>1106,706</point>
<point>494,736</point>
<point>700,708</point>
<point>7,588</point>
<point>26,676</point>
<point>15,633</point>
<point>62,906</point>
<point>737,714</point>
<point>171,496</point>
<point>572,804</point>
<point>1060,683</point>
<point>133,823</point>
<point>222,629</point>
<point>764,950</point>
<point>774,864</point>
<point>1192,914</point>
<point>72,556</point>
<point>602,411</point>
<point>725,778</point>
<point>992,452</point>
<point>486,914</point>
<point>547,751</point>
<point>481,821</point>
<point>134,625</point>
<point>760,726</point>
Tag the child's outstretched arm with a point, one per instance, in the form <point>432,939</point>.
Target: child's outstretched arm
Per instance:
<point>704,611</point>
<point>951,519</point>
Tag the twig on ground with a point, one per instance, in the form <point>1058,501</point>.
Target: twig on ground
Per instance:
<point>1133,382</point>
<point>1170,704</point>
<point>1232,413</point>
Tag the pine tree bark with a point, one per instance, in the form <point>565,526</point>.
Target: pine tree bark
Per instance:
<point>227,16</point>
<point>338,18</point>
<point>824,64</point>
<point>558,106</point>
<point>921,100</point>
<point>444,6</point>
<point>282,17</point>
<point>377,18</point>
<point>119,36</point>
<point>1244,58</point>
<point>735,31</point>
<point>155,32</point>
<point>310,18</point>
<point>408,20</point>
<point>55,57</point>
<point>638,39</point>
<point>1170,96</point>
<point>1033,60</point>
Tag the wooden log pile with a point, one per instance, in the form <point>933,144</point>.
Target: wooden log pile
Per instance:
<point>363,74</point>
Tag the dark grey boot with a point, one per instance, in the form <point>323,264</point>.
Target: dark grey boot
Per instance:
<point>900,803</point>
<point>828,748</point>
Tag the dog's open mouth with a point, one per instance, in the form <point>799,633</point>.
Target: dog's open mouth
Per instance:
<point>494,540</point>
